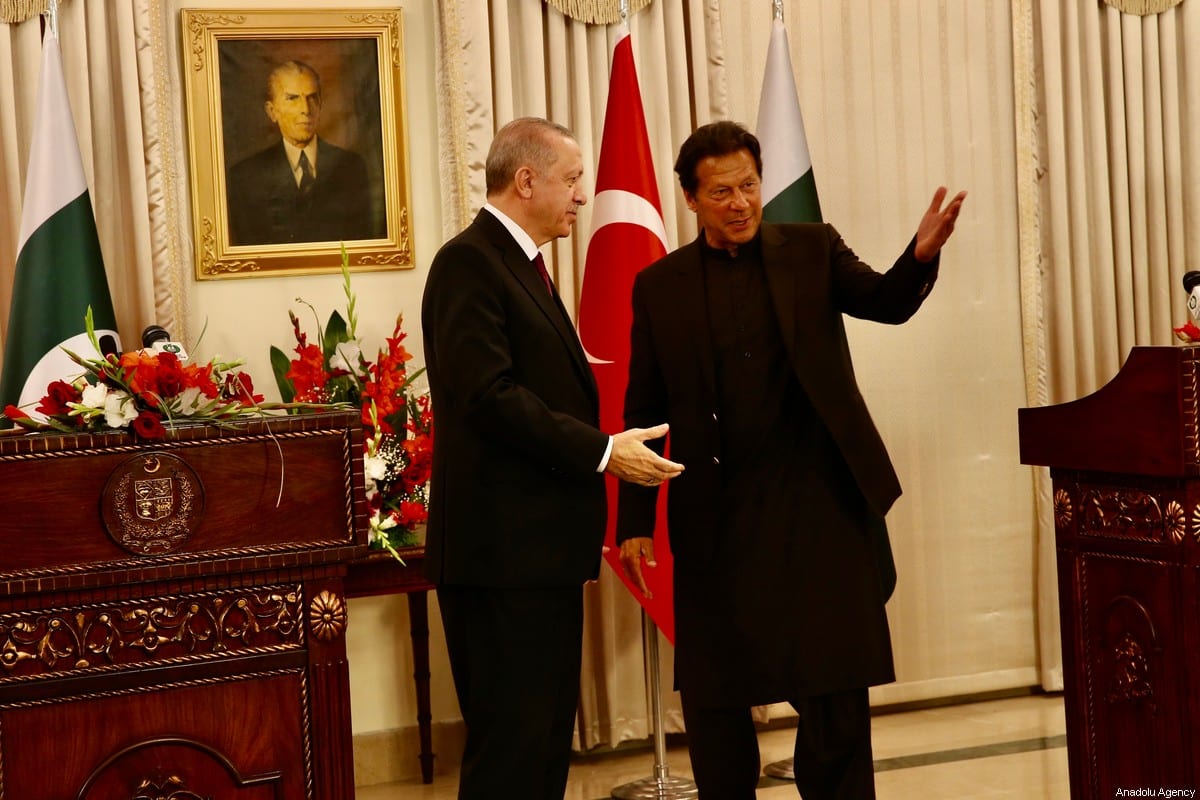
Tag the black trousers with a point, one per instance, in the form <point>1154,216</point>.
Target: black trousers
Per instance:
<point>832,757</point>
<point>515,655</point>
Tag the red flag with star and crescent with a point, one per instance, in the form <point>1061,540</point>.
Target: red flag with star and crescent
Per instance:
<point>627,235</point>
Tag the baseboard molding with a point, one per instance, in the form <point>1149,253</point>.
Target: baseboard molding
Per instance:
<point>392,756</point>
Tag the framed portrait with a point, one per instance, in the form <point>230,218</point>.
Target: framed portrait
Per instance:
<point>297,140</point>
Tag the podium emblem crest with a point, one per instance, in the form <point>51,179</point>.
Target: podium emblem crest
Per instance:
<point>155,498</point>
<point>152,503</point>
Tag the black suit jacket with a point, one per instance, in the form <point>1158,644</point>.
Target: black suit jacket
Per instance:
<point>265,205</point>
<point>813,279</point>
<point>515,498</point>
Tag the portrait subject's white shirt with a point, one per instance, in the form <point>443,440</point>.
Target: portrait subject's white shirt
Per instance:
<point>293,156</point>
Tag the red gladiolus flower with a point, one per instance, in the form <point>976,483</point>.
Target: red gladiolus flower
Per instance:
<point>148,425</point>
<point>169,375</point>
<point>308,374</point>
<point>239,386</point>
<point>14,413</point>
<point>1188,332</point>
<point>201,377</point>
<point>58,394</point>
<point>412,513</point>
<point>141,370</point>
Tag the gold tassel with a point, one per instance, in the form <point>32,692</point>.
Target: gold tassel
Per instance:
<point>596,12</point>
<point>1143,7</point>
<point>14,11</point>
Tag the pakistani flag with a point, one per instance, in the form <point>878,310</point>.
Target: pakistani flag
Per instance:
<point>59,268</point>
<point>789,191</point>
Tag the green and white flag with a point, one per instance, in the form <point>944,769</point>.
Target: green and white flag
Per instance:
<point>59,270</point>
<point>789,190</point>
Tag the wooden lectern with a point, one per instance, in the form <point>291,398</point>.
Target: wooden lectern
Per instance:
<point>1125,464</point>
<point>172,614</point>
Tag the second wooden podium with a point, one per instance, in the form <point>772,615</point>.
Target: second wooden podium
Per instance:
<point>1125,466</point>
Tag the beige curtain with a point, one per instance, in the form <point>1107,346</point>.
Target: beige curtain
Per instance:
<point>509,58</point>
<point>1108,106</point>
<point>109,71</point>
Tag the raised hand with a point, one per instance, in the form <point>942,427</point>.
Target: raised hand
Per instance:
<point>937,224</point>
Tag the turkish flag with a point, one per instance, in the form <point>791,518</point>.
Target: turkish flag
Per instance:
<point>627,235</point>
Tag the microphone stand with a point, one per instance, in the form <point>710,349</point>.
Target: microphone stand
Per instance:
<point>661,786</point>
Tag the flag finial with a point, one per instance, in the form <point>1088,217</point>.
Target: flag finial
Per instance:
<point>623,10</point>
<point>777,10</point>
<point>52,18</point>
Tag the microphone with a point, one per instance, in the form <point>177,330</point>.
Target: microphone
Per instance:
<point>156,338</point>
<point>1191,285</point>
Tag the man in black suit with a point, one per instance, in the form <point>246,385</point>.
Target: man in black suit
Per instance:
<point>782,559</point>
<point>301,189</point>
<point>517,511</point>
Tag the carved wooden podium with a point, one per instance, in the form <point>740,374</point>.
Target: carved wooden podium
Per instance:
<point>172,614</point>
<point>1125,464</point>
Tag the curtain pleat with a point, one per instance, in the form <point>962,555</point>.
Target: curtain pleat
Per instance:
<point>1114,191</point>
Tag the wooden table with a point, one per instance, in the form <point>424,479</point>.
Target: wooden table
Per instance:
<point>378,573</point>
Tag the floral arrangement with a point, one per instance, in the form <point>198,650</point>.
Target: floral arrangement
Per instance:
<point>397,421</point>
<point>144,391</point>
<point>1187,333</point>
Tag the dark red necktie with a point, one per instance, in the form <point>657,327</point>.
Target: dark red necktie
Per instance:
<point>540,263</point>
<point>306,174</point>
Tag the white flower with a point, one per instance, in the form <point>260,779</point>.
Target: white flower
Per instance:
<point>119,409</point>
<point>374,469</point>
<point>378,525</point>
<point>347,356</point>
<point>189,400</point>
<point>93,395</point>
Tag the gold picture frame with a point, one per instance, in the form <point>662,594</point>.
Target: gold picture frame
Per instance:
<point>250,78</point>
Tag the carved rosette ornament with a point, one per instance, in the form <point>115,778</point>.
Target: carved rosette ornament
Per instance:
<point>1196,522</point>
<point>152,504</point>
<point>1175,522</point>
<point>1063,513</point>
<point>327,616</point>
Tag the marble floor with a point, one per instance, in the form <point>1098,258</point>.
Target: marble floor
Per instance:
<point>1009,748</point>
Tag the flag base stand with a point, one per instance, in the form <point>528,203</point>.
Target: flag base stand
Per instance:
<point>784,769</point>
<point>661,786</point>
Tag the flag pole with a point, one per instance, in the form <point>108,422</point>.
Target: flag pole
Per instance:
<point>52,18</point>
<point>661,786</point>
<point>784,769</point>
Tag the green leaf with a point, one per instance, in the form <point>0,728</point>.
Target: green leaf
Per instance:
<point>335,334</point>
<point>280,364</point>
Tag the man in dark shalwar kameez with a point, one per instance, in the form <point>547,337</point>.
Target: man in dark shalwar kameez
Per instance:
<point>782,558</point>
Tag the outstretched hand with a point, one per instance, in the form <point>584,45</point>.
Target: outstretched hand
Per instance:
<point>937,224</point>
<point>632,461</point>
